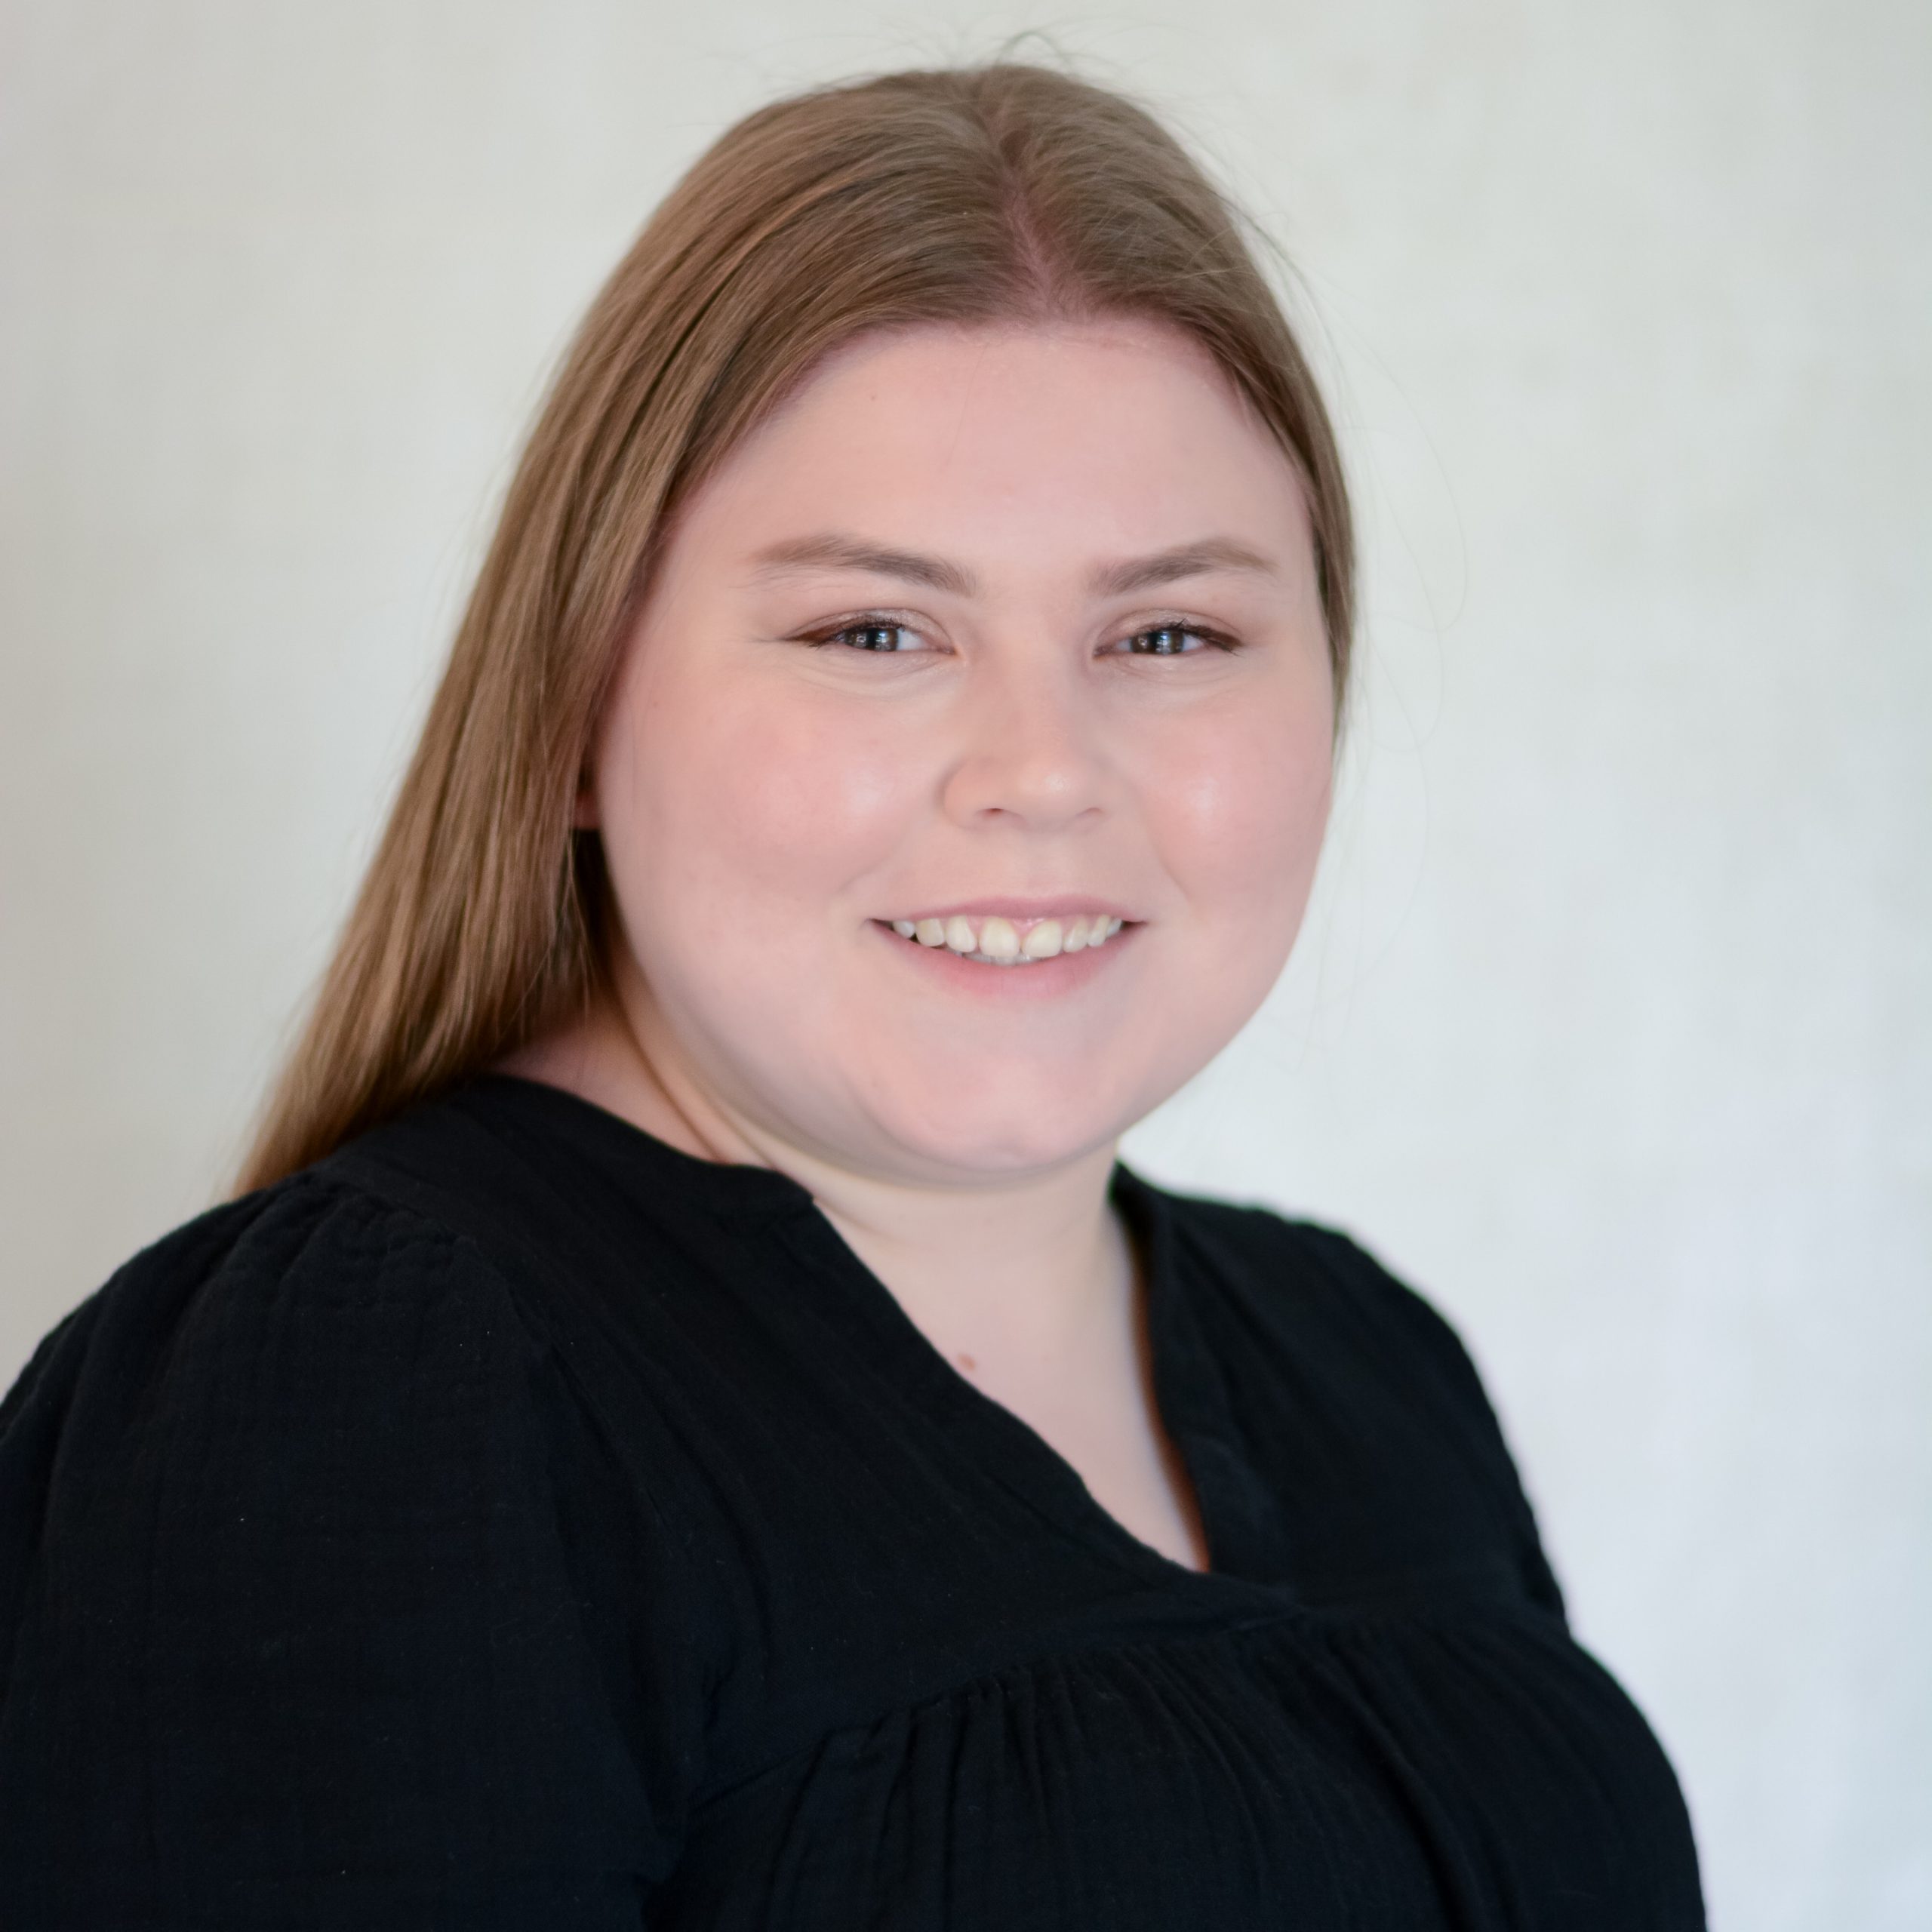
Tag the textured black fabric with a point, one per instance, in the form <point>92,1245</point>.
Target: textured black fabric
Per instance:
<point>512,1522</point>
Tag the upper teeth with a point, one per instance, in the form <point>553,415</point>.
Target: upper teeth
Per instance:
<point>998,942</point>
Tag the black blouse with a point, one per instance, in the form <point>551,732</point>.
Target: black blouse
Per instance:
<point>512,1522</point>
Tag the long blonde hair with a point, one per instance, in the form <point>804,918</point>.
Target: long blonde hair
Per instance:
<point>974,195</point>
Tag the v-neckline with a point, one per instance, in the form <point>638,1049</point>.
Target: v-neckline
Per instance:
<point>1190,1394</point>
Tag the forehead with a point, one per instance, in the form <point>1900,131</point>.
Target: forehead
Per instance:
<point>1006,441</point>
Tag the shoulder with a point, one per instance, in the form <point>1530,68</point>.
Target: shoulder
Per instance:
<point>303,1370</point>
<point>1316,1281</point>
<point>381,1363</point>
<point>313,1289</point>
<point>1333,1362</point>
<point>292,1511</point>
<point>428,1250</point>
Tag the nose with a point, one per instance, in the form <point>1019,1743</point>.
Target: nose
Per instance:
<point>1030,751</point>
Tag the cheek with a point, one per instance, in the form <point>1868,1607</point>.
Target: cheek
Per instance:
<point>739,814</point>
<point>1240,811</point>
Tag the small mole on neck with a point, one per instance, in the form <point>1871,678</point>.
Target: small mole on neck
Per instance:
<point>966,1363</point>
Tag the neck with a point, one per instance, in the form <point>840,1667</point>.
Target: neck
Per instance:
<point>999,1278</point>
<point>1026,1270</point>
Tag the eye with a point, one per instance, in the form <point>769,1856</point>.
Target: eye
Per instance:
<point>884,636</point>
<point>1174,639</point>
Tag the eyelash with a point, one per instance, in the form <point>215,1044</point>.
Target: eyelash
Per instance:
<point>1214,639</point>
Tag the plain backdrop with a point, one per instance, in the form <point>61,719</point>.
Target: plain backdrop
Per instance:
<point>1610,1029</point>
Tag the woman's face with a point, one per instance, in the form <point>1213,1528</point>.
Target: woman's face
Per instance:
<point>1005,638</point>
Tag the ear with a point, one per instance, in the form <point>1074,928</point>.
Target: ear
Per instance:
<point>583,813</point>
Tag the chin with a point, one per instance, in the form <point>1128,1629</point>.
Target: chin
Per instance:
<point>1004,1137</point>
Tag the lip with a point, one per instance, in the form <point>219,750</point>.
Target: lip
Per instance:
<point>1072,906</point>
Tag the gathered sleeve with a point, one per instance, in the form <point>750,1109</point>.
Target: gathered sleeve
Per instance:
<point>298,1624</point>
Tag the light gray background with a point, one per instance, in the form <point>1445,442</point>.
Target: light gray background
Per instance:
<point>1610,1029</point>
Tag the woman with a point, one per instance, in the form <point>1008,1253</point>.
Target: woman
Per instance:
<point>689,1423</point>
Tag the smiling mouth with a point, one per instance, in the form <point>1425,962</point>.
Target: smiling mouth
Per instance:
<point>992,940</point>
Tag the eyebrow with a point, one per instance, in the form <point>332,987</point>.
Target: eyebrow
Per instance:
<point>833,552</point>
<point>849,553</point>
<point>1212,553</point>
